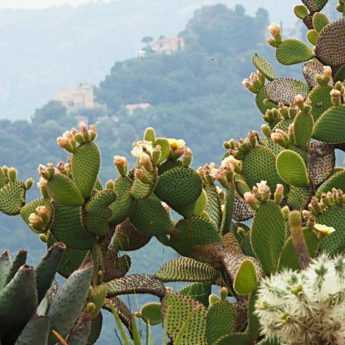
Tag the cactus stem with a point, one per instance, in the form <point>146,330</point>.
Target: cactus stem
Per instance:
<point>298,241</point>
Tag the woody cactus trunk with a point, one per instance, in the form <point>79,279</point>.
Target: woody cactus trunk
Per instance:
<point>254,225</point>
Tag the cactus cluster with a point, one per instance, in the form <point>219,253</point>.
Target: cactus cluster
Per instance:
<point>273,204</point>
<point>34,309</point>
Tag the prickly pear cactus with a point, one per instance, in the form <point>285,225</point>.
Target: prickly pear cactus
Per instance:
<point>274,203</point>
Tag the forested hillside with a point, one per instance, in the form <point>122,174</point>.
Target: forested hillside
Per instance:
<point>45,50</point>
<point>195,94</point>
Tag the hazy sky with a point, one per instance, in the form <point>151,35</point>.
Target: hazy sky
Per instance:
<point>41,3</point>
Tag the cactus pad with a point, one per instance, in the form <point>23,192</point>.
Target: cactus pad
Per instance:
<point>298,197</point>
<point>121,207</point>
<point>260,165</point>
<point>284,90</point>
<point>135,284</point>
<point>293,51</point>
<point>213,205</point>
<point>12,198</point>
<point>268,235</point>
<point>64,191</point>
<point>184,319</point>
<point>321,162</point>
<point>179,187</point>
<point>334,216</point>
<point>128,238</point>
<point>221,319</point>
<point>30,208</point>
<point>330,48</point>
<point>264,66</point>
<point>329,127</point>
<point>68,228</point>
<point>311,69</point>
<point>315,5</point>
<point>241,210</point>
<point>198,291</point>
<point>150,217</point>
<point>85,163</point>
<point>292,169</point>
<point>187,269</point>
<point>337,180</point>
<point>192,233</point>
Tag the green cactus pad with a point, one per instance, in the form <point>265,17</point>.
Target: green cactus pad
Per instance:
<point>97,222</point>
<point>334,216</point>
<point>320,20</point>
<point>315,5</point>
<point>298,197</point>
<point>187,269</point>
<point>198,291</point>
<point>135,284</point>
<point>128,238</point>
<point>235,338</point>
<point>121,207</point>
<point>68,228</point>
<point>194,232</point>
<point>184,319</point>
<point>179,187</point>
<point>151,313</point>
<point>213,205</point>
<point>330,48</point>
<point>150,217</point>
<point>12,198</point>
<point>337,180</point>
<point>262,101</point>
<point>303,129</point>
<point>64,191</point>
<point>165,148</point>
<point>292,168</point>
<point>245,281</point>
<point>221,319</point>
<point>284,90</point>
<point>284,126</point>
<point>69,301</point>
<point>288,258</point>
<point>260,165</point>
<point>329,127</point>
<point>311,69</point>
<point>85,163</point>
<point>198,208</point>
<point>301,11</point>
<point>320,100</point>
<point>101,200</point>
<point>293,51</point>
<point>313,36</point>
<point>268,235</point>
<point>30,208</point>
<point>140,190</point>
<point>264,66</point>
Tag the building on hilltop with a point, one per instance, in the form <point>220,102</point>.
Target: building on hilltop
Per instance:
<point>168,45</point>
<point>131,108</point>
<point>76,98</point>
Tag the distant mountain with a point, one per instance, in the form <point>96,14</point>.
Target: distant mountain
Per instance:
<point>45,50</point>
